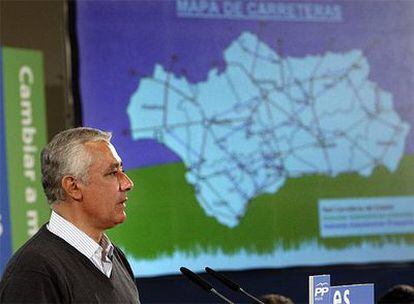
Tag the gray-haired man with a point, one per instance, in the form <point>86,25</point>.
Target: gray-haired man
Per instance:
<point>70,259</point>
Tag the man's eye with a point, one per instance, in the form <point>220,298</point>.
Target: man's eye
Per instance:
<point>113,173</point>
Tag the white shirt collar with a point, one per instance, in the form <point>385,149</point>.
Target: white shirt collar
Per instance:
<point>79,239</point>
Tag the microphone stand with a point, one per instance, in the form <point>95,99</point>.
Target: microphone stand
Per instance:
<point>256,300</point>
<point>232,285</point>
<point>203,284</point>
<point>213,291</point>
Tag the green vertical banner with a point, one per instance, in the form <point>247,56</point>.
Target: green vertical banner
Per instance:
<point>25,135</point>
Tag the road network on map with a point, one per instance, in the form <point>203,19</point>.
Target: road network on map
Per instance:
<point>244,131</point>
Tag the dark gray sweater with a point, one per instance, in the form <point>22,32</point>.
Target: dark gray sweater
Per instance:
<point>49,270</point>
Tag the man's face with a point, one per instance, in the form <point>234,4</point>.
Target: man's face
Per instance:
<point>105,193</point>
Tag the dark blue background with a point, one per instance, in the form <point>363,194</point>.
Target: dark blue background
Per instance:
<point>291,282</point>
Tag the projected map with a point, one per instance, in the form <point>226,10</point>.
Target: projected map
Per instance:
<point>258,133</point>
<point>264,119</point>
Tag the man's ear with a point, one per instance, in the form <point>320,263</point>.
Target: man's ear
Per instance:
<point>70,185</point>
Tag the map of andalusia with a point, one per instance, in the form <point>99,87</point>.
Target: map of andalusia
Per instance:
<point>266,118</point>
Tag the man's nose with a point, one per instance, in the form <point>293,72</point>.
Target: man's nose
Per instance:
<point>125,183</point>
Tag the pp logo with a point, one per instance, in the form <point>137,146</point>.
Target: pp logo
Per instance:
<point>321,290</point>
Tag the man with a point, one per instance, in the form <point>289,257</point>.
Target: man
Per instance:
<point>70,259</point>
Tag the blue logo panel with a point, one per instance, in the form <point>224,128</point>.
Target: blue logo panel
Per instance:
<point>355,294</point>
<point>319,289</point>
<point>321,292</point>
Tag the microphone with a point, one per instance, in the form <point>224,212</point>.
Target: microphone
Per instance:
<point>232,285</point>
<point>202,283</point>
